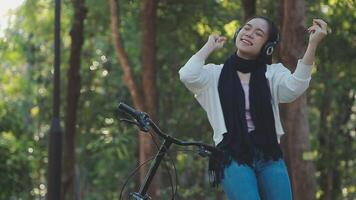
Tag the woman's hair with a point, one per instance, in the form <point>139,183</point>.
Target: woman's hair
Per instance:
<point>273,39</point>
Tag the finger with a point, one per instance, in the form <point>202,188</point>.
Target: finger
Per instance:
<point>221,44</point>
<point>320,23</point>
<point>313,29</point>
<point>217,38</point>
<point>317,24</point>
<point>221,39</point>
<point>317,28</point>
<point>213,37</point>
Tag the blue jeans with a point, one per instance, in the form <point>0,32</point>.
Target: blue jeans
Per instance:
<point>266,180</point>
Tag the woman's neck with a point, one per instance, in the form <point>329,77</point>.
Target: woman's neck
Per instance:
<point>245,56</point>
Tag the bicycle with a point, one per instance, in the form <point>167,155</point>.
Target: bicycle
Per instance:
<point>145,124</point>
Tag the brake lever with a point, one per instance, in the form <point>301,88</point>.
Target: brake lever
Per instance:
<point>129,121</point>
<point>144,128</point>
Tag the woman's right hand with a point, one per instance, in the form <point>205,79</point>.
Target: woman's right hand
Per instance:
<point>214,42</point>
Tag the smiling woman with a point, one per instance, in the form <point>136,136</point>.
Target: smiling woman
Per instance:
<point>241,99</point>
<point>6,12</point>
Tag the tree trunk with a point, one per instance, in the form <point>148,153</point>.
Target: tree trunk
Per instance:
<point>149,88</point>
<point>123,57</point>
<point>68,179</point>
<point>148,101</point>
<point>295,114</point>
<point>249,9</point>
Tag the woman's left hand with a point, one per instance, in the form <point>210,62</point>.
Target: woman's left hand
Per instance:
<point>317,31</point>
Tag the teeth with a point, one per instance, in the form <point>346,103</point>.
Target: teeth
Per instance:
<point>247,42</point>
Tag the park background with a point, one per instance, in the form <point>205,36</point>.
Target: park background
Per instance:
<point>130,51</point>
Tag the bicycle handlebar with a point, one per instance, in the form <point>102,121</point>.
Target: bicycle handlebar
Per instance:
<point>144,122</point>
<point>142,118</point>
<point>129,110</point>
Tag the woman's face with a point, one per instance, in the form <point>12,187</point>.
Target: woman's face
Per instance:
<point>251,38</point>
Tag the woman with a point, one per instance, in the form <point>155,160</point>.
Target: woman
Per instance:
<point>241,100</point>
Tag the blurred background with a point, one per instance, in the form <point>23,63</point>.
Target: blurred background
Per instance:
<point>130,51</point>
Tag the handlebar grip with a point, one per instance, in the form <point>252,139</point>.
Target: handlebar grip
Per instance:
<point>134,113</point>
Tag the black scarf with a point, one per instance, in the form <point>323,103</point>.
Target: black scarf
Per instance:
<point>238,144</point>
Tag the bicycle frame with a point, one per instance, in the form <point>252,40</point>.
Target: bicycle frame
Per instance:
<point>141,195</point>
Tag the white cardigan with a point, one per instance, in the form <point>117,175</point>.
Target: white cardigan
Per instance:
<point>202,80</point>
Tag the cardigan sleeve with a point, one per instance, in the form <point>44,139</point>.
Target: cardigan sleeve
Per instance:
<point>291,85</point>
<point>195,75</point>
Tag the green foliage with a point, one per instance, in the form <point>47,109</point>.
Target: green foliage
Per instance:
<point>15,167</point>
<point>105,148</point>
<point>332,101</point>
<point>17,150</point>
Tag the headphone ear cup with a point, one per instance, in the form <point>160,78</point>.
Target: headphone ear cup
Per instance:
<point>235,36</point>
<point>269,48</point>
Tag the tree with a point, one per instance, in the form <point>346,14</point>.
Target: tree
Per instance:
<point>295,115</point>
<point>70,190</point>
<point>147,100</point>
<point>249,9</point>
